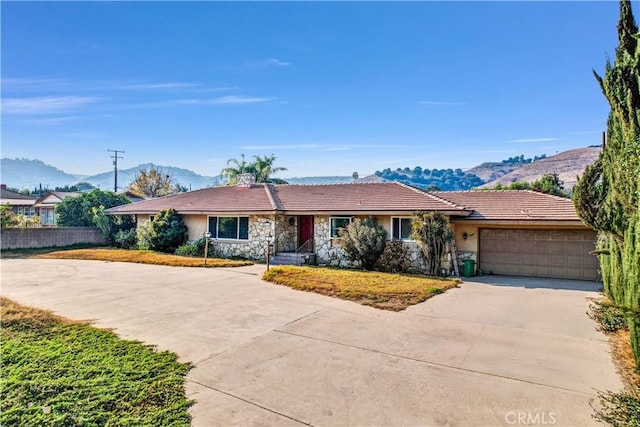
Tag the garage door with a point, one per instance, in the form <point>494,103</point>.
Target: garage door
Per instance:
<point>542,253</point>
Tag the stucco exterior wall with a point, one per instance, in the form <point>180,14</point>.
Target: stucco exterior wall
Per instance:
<point>196,226</point>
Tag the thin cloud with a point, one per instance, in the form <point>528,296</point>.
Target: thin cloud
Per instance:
<point>167,85</point>
<point>277,62</point>
<point>441,103</point>
<point>219,89</point>
<point>33,83</point>
<point>50,121</point>
<point>230,99</point>
<point>46,104</point>
<point>525,140</point>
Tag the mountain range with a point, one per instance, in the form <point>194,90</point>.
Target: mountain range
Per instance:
<point>31,174</point>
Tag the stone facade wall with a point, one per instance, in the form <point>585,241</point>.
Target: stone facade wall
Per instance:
<point>328,250</point>
<point>22,238</point>
<point>260,226</point>
<point>286,233</point>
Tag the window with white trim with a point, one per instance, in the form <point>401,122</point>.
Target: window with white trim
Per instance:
<point>229,227</point>
<point>401,228</point>
<point>339,223</point>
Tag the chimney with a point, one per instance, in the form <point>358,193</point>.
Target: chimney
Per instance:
<point>246,180</point>
<point>3,186</point>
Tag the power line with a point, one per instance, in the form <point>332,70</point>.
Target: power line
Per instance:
<point>115,158</point>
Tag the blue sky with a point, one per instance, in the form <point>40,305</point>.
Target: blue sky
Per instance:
<point>329,88</point>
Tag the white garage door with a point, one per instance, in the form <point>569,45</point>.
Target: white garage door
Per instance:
<point>541,253</point>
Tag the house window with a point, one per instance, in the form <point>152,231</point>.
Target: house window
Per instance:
<point>339,223</point>
<point>229,227</point>
<point>401,228</point>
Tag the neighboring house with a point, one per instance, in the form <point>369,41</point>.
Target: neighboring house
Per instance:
<point>507,232</point>
<point>46,204</point>
<point>21,204</point>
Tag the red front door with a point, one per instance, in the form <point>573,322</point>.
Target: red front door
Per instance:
<point>305,229</point>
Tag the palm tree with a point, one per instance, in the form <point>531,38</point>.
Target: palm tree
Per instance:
<point>264,168</point>
<point>240,167</point>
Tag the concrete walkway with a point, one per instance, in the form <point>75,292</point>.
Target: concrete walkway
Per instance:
<point>496,351</point>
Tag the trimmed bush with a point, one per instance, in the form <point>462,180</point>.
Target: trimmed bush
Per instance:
<point>363,241</point>
<point>126,239</point>
<point>195,248</point>
<point>395,258</point>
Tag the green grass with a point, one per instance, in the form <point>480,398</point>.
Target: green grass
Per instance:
<point>63,373</point>
<point>381,290</point>
<point>140,257</point>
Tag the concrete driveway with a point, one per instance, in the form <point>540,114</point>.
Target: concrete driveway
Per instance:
<point>496,351</point>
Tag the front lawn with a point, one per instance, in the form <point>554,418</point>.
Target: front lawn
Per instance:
<point>141,257</point>
<point>59,372</point>
<point>381,290</point>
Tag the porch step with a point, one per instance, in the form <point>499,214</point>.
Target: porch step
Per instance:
<point>290,258</point>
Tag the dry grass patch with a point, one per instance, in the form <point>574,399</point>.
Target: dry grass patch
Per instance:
<point>623,358</point>
<point>381,290</point>
<point>140,257</point>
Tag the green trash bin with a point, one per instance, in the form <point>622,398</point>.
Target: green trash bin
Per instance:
<point>469,268</point>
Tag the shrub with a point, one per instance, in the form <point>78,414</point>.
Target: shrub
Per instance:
<point>618,409</point>
<point>364,241</point>
<point>144,235</point>
<point>195,248</point>
<point>609,318</point>
<point>125,239</point>
<point>395,258</point>
<point>431,231</point>
<point>111,225</point>
<point>187,249</point>
<point>167,231</point>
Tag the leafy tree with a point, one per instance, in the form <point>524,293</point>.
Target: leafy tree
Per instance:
<point>111,225</point>
<point>261,167</point>
<point>264,168</point>
<point>77,211</point>
<point>153,183</point>
<point>432,232</point>
<point>608,195</point>
<point>167,231</point>
<point>364,241</point>
<point>7,217</point>
<point>237,167</point>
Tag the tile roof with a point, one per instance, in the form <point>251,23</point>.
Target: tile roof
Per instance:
<point>367,197</point>
<point>379,197</point>
<point>215,199</point>
<point>519,205</point>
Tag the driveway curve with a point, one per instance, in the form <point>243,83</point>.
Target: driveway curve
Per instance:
<point>496,351</point>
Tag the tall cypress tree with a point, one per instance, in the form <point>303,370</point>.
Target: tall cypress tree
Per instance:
<point>607,196</point>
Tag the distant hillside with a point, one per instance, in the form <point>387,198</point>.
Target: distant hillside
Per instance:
<point>490,171</point>
<point>443,179</point>
<point>568,165</point>
<point>184,177</point>
<point>308,180</point>
<point>29,174</point>
<point>25,173</point>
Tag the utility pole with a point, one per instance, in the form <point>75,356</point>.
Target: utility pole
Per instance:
<point>115,158</point>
